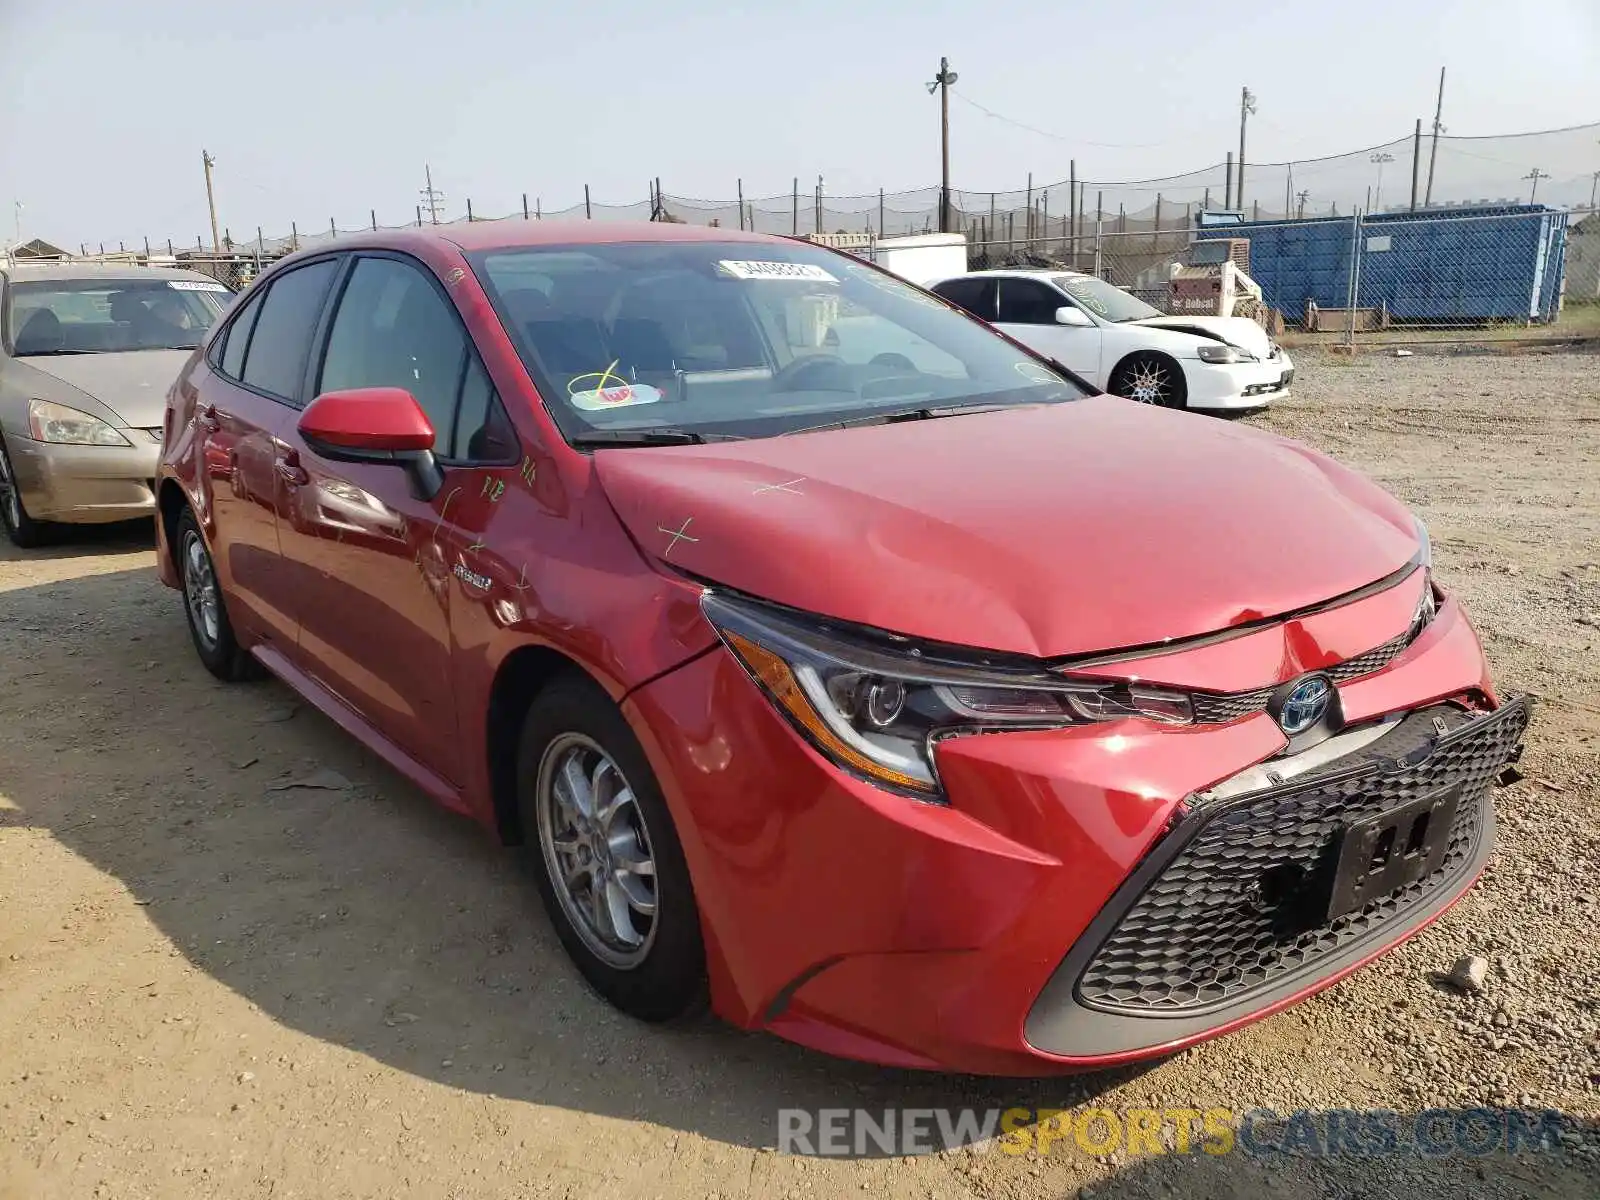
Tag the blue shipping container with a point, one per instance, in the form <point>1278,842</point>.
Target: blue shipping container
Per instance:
<point>1449,265</point>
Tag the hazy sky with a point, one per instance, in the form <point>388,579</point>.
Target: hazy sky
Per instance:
<point>328,108</point>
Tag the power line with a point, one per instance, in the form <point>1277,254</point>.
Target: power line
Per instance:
<point>1054,137</point>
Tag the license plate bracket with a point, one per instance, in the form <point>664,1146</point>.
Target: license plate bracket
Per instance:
<point>1391,850</point>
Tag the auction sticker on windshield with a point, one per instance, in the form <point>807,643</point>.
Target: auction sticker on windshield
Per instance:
<point>808,272</point>
<point>195,285</point>
<point>618,395</point>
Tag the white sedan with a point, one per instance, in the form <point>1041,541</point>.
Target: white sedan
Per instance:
<point>1122,345</point>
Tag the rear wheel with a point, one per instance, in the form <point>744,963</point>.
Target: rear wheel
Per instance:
<point>606,856</point>
<point>22,529</point>
<point>203,605</point>
<point>1150,378</point>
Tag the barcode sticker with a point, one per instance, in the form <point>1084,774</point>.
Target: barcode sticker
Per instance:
<point>806,272</point>
<point>195,285</point>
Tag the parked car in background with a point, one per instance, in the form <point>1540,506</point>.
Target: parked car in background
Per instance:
<point>86,356</point>
<point>831,654</point>
<point>1123,345</point>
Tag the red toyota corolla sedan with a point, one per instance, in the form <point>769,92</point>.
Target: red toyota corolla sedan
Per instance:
<point>835,658</point>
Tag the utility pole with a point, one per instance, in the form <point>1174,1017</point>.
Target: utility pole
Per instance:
<point>1303,197</point>
<point>17,207</point>
<point>1594,188</point>
<point>1381,157</point>
<point>941,84</point>
<point>1247,105</point>
<point>1433,154</point>
<point>1535,175</point>
<point>211,201</point>
<point>1416,162</point>
<point>432,197</point>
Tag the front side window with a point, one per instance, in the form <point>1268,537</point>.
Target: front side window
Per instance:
<point>90,316</point>
<point>394,329</point>
<point>742,339</point>
<point>975,294</point>
<point>276,359</point>
<point>1028,302</point>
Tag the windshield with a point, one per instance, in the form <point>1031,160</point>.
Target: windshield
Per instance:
<point>1104,301</point>
<point>89,316</point>
<point>743,339</point>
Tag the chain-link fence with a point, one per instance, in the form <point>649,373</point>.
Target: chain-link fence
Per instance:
<point>1451,274</point>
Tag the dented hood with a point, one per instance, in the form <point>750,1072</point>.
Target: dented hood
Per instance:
<point>1237,331</point>
<point>1086,526</point>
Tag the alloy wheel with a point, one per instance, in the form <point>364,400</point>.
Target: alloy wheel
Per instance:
<point>200,589</point>
<point>10,496</point>
<point>597,850</point>
<point>1149,382</point>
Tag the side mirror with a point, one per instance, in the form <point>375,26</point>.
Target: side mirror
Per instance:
<point>375,425</point>
<point>1067,315</point>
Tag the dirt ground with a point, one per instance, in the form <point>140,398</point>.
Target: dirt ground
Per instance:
<point>216,985</point>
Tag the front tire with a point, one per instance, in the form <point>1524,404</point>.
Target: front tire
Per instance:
<point>1150,378</point>
<point>606,856</point>
<point>205,609</point>
<point>24,532</point>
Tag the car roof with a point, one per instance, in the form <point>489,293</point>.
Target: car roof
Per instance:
<point>1023,271</point>
<point>514,233</point>
<point>37,272</point>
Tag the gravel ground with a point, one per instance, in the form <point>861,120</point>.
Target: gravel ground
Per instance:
<point>215,984</point>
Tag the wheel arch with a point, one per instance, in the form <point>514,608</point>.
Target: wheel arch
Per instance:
<point>518,680</point>
<point>1150,352</point>
<point>170,503</point>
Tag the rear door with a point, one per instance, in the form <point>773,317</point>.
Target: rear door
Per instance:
<point>375,564</point>
<point>1027,311</point>
<point>975,293</point>
<point>242,413</point>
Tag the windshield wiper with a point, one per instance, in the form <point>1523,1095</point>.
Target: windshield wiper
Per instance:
<point>50,353</point>
<point>648,437</point>
<point>897,415</point>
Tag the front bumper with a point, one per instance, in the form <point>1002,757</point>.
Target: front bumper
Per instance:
<point>86,484</point>
<point>953,936</point>
<point>1238,385</point>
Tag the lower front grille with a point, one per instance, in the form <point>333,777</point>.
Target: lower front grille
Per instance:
<point>1241,904</point>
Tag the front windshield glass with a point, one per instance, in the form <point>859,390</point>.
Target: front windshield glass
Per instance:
<point>1104,301</point>
<point>89,316</point>
<point>743,339</point>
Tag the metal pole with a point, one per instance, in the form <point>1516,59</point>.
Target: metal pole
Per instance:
<point>1416,162</point>
<point>1099,230</point>
<point>881,226</point>
<point>1072,207</point>
<point>1433,154</point>
<point>942,82</point>
<point>261,242</point>
<point>1355,281</point>
<point>796,208</point>
<point>211,201</point>
<point>1155,236</point>
<point>419,216</point>
<point>332,228</point>
<point>374,214</point>
<point>147,247</point>
<point>1027,220</point>
<point>741,203</point>
<point>1247,105</point>
<point>294,236</point>
<point>1288,192</point>
<point>588,210</point>
<point>524,206</point>
<point>469,209</point>
<point>1227,185</point>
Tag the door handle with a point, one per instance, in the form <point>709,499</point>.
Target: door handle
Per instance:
<point>290,471</point>
<point>206,415</point>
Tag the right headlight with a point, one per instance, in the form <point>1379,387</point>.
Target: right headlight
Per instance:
<point>1222,353</point>
<point>875,708</point>
<point>51,422</point>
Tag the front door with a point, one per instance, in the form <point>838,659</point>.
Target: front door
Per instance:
<point>1027,311</point>
<point>376,560</point>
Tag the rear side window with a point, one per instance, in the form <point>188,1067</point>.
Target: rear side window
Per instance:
<point>276,361</point>
<point>237,337</point>
<point>974,295</point>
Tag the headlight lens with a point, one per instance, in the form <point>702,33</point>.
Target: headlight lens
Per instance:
<point>49,422</point>
<point>1427,603</point>
<point>1219,353</point>
<point>876,709</point>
